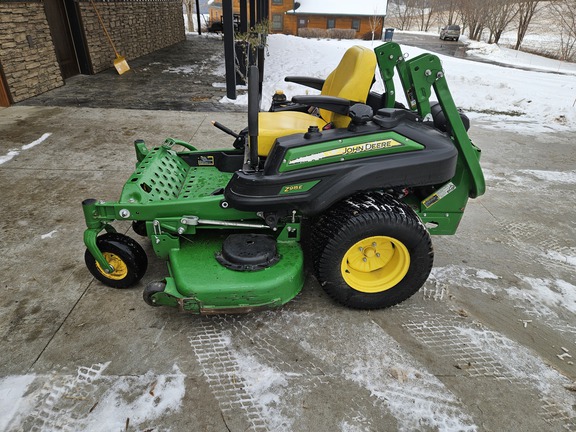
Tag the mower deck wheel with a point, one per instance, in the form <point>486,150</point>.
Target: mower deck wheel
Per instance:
<point>139,228</point>
<point>125,255</point>
<point>152,288</point>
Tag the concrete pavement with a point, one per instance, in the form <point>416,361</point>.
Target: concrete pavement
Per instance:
<point>487,344</point>
<point>179,77</point>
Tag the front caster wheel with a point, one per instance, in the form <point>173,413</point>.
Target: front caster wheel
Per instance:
<point>374,252</point>
<point>126,256</point>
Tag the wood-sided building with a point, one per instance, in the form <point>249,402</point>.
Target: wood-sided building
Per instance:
<point>289,16</point>
<point>359,15</point>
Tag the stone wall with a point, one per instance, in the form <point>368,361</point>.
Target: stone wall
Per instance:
<point>26,50</point>
<point>136,28</point>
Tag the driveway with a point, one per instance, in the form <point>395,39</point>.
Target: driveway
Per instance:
<point>431,43</point>
<point>488,344</point>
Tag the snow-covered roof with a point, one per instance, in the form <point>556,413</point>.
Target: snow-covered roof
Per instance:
<point>341,7</point>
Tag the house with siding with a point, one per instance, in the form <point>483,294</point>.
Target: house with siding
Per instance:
<point>288,17</point>
<point>44,42</point>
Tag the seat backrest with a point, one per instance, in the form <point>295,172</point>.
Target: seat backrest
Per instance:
<point>351,79</point>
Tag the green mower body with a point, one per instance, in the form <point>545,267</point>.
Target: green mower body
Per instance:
<point>364,199</point>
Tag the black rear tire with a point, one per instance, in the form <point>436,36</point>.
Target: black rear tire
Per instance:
<point>124,254</point>
<point>371,252</point>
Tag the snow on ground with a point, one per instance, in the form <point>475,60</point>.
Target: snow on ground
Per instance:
<point>519,100</point>
<point>89,400</point>
<point>15,152</point>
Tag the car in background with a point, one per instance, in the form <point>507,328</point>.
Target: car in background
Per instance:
<point>450,32</point>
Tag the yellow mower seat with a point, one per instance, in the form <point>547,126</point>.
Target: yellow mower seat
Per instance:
<point>351,80</point>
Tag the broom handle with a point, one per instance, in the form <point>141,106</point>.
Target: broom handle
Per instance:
<point>104,28</point>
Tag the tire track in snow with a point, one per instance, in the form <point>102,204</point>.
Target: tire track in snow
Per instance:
<point>91,401</point>
<point>388,384</point>
<point>61,398</point>
<point>482,353</point>
<point>222,373</point>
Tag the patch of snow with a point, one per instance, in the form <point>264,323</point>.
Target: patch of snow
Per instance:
<point>12,390</point>
<point>482,48</point>
<point>568,177</point>
<point>8,156</point>
<point>551,293</point>
<point>266,386</point>
<point>413,395</point>
<point>504,98</point>
<point>485,274</point>
<point>48,235</point>
<point>51,402</point>
<point>521,363</point>
<point>185,70</point>
<point>556,256</point>
<point>36,142</point>
<point>156,396</point>
<point>468,277</point>
<point>13,153</point>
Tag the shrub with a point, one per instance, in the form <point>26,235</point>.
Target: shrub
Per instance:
<point>336,33</point>
<point>313,33</point>
<point>333,33</point>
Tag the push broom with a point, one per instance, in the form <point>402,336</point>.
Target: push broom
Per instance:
<point>120,62</point>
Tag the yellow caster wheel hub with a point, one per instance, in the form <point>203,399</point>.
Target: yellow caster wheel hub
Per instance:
<point>119,266</point>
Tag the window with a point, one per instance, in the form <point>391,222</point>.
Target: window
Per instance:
<point>356,24</point>
<point>277,22</point>
<point>330,23</point>
<point>277,2</point>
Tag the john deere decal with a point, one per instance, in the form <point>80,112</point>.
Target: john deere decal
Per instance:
<point>353,149</point>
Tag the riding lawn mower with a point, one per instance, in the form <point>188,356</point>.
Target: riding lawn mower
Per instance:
<point>350,181</point>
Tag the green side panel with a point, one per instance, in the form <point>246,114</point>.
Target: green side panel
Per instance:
<point>442,210</point>
<point>206,285</point>
<point>347,149</point>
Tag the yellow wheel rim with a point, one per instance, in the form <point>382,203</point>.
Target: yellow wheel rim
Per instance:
<point>375,264</point>
<point>120,268</point>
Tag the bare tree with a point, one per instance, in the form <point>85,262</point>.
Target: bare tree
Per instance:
<point>474,16</point>
<point>452,8</point>
<point>402,11</point>
<point>565,12</point>
<point>425,10</point>
<point>502,13</point>
<point>375,22</point>
<point>526,11</point>
<point>189,7</point>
